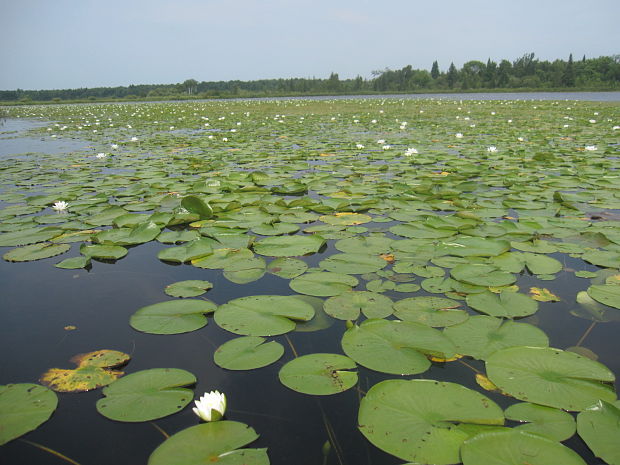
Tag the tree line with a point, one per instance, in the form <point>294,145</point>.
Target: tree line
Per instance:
<point>526,73</point>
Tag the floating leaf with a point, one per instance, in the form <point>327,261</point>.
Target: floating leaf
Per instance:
<point>106,252</point>
<point>189,288</point>
<point>172,317</point>
<point>23,407</point>
<point>541,264</point>
<point>350,263</point>
<point>192,250</point>
<point>262,315</point>
<point>74,263</point>
<point>507,304</point>
<point>431,311</point>
<point>345,219</point>
<point>288,246</point>
<point>482,275</point>
<point>217,441</point>
<point>247,353</point>
<point>28,236</point>
<point>94,369</point>
<point>514,447</point>
<point>323,284</point>
<point>35,252</point>
<point>543,295</point>
<point>482,335</point>
<point>287,267</point>
<point>396,347</point>
<point>319,374</point>
<point>550,377</point>
<point>599,427</point>
<point>473,247</point>
<point>196,205</point>
<point>147,395</point>
<point>549,422</point>
<point>348,305</point>
<point>608,294</point>
<point>422,420</point>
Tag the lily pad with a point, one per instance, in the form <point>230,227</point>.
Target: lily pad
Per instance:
<point>350,263</point>
<point>473,247</point>
<point>348,305</point>
<point>514,447</point>
<point>189,288</point>
<point>421,420</point>
<point>74,263</point>
<point>288,246</point>
<point>599,427</point>
<point>147,395</point>
<point>550,377</point>
<point>395,347</point>
<point>552,423</point>
<point>323,284</point>
<point>319,374</point>
<point>23,407</point>
<point>218,441</point>
<point>287,267</point>
<point>192,250</point>
<point>94,369</point>
<point>482,275</point>
<point>482,335</point>
<point>106,252</point>
<point>35,252</point>
<point>608,294</point>
<point>172,317</point>
<point>196,205</point>
<point>247,353</point>
<point>431,311</point>
<point>262,315</point>
<point>507,304</point>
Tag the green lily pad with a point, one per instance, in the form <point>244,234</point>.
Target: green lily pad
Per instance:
<point>243,271</point>
<point>348,305</point>
<point>482,335</point>
<point>247,353</point>
<point>288,246</point>
<point>395,347</point>
<point>482,275</point>
<point>175,237</point>
<point>275,229</point>
<point>552,423</point>
<point>551,377</point>
<point>608,294</point>
<point>514,447</point>
<point>196,205</point>
<point>287,267</point>
<point>604,258</point>
<point>189,288</point>
<point>421,420</point>
<point>319,374</point>
<point>94,369</point>
<point>218,441</point>
<point>431,311</point>
<point>262,315</point>
<point>147,395</point>
<point>222,258</point>
<point>374,245</point>
<point>473,247</point>
<point>323,284</point>
<point>349,263</point>
<point>172,317</point>
<point>23,407</point>
<point>28,236</point>
<point>507,304</point>
<point>192,250</point>
<point>599,427</point>
<point>541,264</point>
<point>74,263</point>
<point>35,252</point>
<point>345,219</point>
<point>106,252</point>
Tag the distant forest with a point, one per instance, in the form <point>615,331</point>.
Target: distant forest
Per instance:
<point>525,73</point>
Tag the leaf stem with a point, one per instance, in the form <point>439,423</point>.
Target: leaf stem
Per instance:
<point>160,429</point>
<point>51,451</point>
<point>585,334</point>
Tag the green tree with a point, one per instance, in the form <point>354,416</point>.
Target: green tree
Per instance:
<point>191,85</point>
<point>435,70</point>
<point>452,75</point>
<point>568,77</point>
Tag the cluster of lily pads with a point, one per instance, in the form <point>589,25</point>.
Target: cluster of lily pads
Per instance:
<point>418,226</point>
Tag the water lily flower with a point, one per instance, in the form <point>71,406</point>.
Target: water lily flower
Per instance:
<point>615,128</point>
<point>114,146</point>
<point>359,146</point>
<point>590,148</point>
<point>387,147</point>
<point>60,206</point>
<point>101,155</point>
<point>211,406</point>
<point>592,121</point>
<point>458,135</point>
<point>381,141</point>
<point>410,151</point>
<point>134,139</point>
<point>492,149</point>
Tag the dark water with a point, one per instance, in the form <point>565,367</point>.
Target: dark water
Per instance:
<point>38,301</point>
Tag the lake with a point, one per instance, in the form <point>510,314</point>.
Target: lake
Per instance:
<point>448,238</point>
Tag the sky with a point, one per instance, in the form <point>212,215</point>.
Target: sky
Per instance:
<point>59,44</point>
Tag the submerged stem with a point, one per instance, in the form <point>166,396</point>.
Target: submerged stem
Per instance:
<point>585,334</point>
<point>51,451</point>
<point>160,429</point>
<point>469,366</point>
<point>290,343</point>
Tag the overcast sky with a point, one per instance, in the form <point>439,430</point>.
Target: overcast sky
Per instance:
<point>51,44</point>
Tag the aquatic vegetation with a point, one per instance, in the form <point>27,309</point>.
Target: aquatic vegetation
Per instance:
<point>443,272</point>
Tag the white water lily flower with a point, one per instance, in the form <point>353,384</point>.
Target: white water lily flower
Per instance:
<point>381,141</point>
<point>592,121</point>
<point>114,146</point>
<point>359,146</point>
<point>590,148</point>
<point>410,151</point>
<point>211,406</point>
<point>615,128</point>
<point>458,135</point>
<point>387,147</point>
<point>60,206</point>
<point>101,155</point>
<point>134,139</point>
<point>492,149</point>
